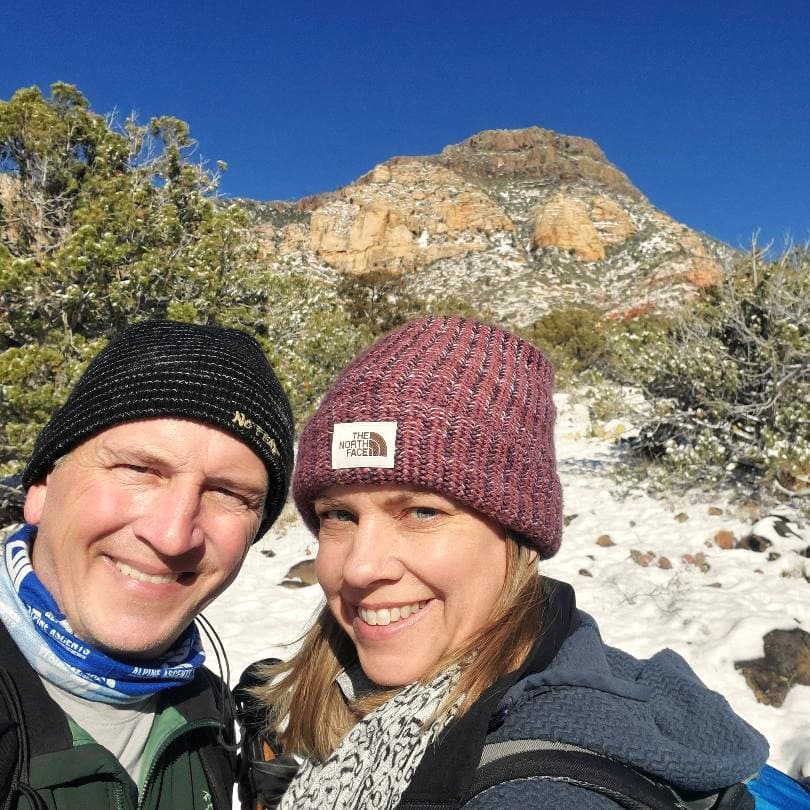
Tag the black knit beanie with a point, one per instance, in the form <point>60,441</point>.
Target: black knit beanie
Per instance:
<point>163,368</point>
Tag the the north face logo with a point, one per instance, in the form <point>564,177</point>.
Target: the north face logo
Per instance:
<point>376,444</point>
<point>363,444</point>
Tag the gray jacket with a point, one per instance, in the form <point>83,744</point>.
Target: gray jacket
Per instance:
<point>654,715</point>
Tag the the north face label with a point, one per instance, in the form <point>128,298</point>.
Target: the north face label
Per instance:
<point>363,444</point>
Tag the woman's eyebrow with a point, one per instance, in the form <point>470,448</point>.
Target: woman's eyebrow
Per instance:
<point>331,503</point>
<point>401,499</point>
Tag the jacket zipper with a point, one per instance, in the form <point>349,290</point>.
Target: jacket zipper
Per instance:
<point>119,797</point>
<point>186,729</point>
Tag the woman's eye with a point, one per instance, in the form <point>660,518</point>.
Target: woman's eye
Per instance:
<point>342,515</point>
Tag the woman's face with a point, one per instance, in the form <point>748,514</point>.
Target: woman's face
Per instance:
<point>409,574</point>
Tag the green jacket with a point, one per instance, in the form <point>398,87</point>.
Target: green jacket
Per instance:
<point>189,768</point>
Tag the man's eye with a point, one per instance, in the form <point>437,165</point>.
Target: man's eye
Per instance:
<point>230,495</point>
<point>136,468</point>
<point>424,512</point>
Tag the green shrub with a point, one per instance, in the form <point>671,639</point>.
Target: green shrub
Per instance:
<point>730,383</point>
<point>574,340</point>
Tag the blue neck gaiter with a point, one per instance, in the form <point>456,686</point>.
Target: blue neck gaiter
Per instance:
<point>45,638</point>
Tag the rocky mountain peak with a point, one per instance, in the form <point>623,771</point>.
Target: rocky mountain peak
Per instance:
<point>515,222</point>
<point>534,154</point>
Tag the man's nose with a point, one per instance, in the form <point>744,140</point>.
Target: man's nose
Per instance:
<point>372,557</point>
<point>172,522</point>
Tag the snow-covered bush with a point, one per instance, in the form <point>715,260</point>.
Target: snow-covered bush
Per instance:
<point>729,384</point>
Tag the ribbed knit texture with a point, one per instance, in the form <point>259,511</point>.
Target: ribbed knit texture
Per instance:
<point>655,715</point>
<point>213,375</point>
<point>475,420</point>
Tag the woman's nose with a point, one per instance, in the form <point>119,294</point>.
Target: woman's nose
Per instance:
<point>372,556</point>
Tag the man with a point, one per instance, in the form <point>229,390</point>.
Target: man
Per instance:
<point>144,493</point>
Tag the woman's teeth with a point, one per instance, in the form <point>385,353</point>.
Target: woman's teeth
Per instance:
<point>389,615</point>
<point>134,573</point>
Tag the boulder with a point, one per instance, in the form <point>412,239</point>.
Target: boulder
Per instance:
<point>564,223</point>
<point>301,575</point>
<point>725,539</point>
<point>641,558</point>
<point>754,542</point>
<point>786,662</point>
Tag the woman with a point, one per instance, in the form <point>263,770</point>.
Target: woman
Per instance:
<point>443,671</point>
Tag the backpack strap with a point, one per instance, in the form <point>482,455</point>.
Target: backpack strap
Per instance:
<point>10,761</point>
<point>264,772</point>
<point>504,762</point>
<point>624,785</point>
<point>218,753</point>
<point>30,723</point>
<point>45,723</point>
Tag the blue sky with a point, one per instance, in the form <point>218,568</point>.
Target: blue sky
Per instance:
<point>705,106</point>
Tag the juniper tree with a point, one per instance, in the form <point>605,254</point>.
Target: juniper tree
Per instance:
<point>101,224</point>
<point>729,387</point>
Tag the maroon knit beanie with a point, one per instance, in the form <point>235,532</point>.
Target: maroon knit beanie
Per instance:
<point>445,404</point>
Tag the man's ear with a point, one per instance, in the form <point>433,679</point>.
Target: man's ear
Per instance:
<point>35,502</point>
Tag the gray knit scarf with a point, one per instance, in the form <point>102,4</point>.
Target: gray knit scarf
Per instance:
<point>376,761</point>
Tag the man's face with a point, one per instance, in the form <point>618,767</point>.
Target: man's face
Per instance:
<point>143,525</point>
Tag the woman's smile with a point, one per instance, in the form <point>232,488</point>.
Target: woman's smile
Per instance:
<point>378,625</point>
<point>389,615</point>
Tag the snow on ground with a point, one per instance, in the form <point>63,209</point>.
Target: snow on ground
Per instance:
<point>711,617</point>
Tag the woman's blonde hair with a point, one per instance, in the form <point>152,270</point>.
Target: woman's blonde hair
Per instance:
<point>307,710</point>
